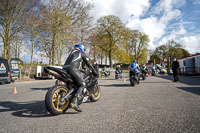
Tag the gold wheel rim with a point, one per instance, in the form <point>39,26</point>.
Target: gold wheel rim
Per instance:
<point>56,100</point>
<point>97,94</point>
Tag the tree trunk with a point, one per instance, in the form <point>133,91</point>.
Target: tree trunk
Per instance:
<point>32,44</point>
<point>61,53</point>
<point>110,53</point>
<point>110,58</point>
<point>50,61</point>
<point>7,43</point>
<point>58,56</point>
<point>106,59</point>
<point>7,34</point>
<point>94,50</point>
<point>101,57</point>
<point>53,49</point>
<point>16,49</point>
<point>5,50</point>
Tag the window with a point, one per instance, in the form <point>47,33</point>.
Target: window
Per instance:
<point>184,63</point>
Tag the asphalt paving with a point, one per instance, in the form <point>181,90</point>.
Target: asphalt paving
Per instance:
<point>155,105</point>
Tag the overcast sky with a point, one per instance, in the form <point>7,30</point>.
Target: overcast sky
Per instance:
<point>161,20</point>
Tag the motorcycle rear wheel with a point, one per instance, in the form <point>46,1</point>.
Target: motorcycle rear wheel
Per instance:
<point>53,102</point>
<point>96,95</point>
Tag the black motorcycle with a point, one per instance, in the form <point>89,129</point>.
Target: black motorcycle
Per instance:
<point>143,74</point>
<point>117,74</point>
<point>154,72</point>
<point>134,78</point>
<point>58,98</point>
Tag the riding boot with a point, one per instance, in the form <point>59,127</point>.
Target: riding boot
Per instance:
<point>78,96</point>
<point>79,92</point>
<point>74,104</point>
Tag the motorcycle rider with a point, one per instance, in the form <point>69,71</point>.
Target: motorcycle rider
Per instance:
<point>144,69</point>
<point>72,66</point>
<point>119,70</point>
<point>135,67</point>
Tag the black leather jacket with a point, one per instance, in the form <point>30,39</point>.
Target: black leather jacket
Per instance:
<point>75,59</point>
<point>175,65</point>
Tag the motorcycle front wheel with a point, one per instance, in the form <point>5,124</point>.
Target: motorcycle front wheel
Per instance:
<point>132,81</point>
<point>96,94</point>
<point>116,77</point>
<point>54,102</point>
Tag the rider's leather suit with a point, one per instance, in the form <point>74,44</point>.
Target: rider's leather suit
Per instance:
<point>72,66</point>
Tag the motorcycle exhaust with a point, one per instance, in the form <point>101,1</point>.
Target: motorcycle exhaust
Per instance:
<point>52,73</point>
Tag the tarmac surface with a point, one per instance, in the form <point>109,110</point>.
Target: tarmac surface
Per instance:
<point>155,105</point>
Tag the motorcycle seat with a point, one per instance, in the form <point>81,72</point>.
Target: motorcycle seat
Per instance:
<point>60,71</point>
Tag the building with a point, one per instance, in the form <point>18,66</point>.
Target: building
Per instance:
<point>190,65</point>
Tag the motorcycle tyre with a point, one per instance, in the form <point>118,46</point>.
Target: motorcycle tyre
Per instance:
<point>132,81</point>
<point>94,98</point>
<point>48,100</point>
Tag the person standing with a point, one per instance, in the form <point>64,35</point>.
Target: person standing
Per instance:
<point>175,68</point>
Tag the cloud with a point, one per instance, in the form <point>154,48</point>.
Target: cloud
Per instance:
<point>121,8</point>
<point>151,26</point>
<point>156,25</point>
<point>191,43</point>
<point>161,21</point>
<point>196,2</point>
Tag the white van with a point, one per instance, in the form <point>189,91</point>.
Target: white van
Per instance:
<point>40,74</point>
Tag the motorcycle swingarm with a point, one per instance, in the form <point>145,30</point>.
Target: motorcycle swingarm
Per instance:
<point>68,95</point>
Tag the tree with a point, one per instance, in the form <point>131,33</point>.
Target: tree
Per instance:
<point>138,43</point>
<point>156,57</point>
<point>59,19</point>
<point>169,49</point>
<point>162,52</point>
<point>12,14</point>
<point>94,43</point>
<point>32,31</point>
<point>109,30</point>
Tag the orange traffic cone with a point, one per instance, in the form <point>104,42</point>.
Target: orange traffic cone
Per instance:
<point>14,90</point>
<point>124,80</point>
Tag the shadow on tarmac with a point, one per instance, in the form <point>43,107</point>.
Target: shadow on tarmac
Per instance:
<point>40,88</point>
<point>33,109</point>
<point>194,90</point>
<point>189,80</point>
<point>116,85</point>
<point>153,82</point>
<point>106,79</point>
<point>25,109</point>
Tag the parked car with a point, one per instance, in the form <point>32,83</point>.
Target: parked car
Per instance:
<point>5,76</point>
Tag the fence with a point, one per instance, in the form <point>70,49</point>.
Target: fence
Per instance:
<point>27,71</point>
